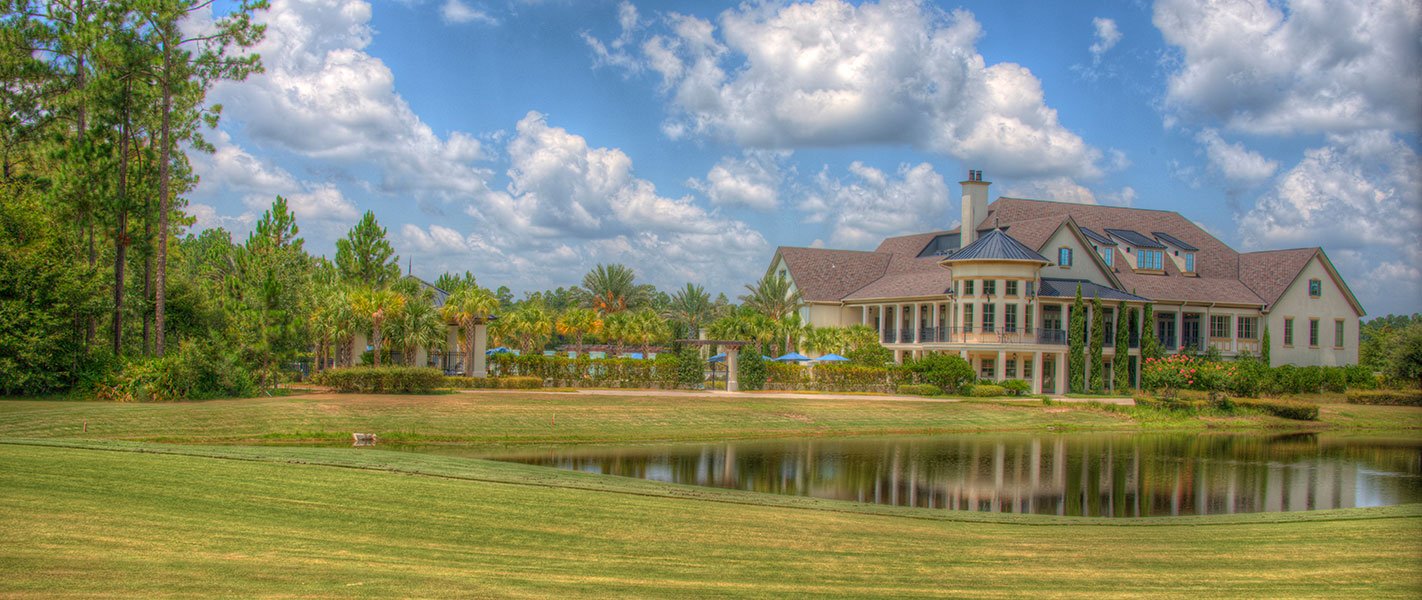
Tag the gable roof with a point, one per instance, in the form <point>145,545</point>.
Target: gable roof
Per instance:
<point>1136,239</point>
<point>1170,239</point>
<point>824,275</point>
<point>1098,238</point>
<point>1270,273</point>
<point>996,245</point>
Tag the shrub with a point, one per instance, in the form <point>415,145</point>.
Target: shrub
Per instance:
<point>384,380</point>
<point>1386,397</point>
<point>690,371</point>
<point>513,382</point>
<point>196,371</point>
<point>988,390</point>
<point>1016,387</point>
<point>947,371</point>
<point>750,369</point>
<point>857,378</point>
<point>1288,409</point>
<point>786,376</point>
<point>920,389</point>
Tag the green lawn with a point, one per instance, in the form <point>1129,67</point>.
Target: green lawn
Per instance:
<point>245,506</point>
<point>118,519</point>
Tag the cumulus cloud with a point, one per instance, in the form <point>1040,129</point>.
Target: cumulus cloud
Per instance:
<point>1240,166</point>
<point>1106,37</point>
<point>752,180</point>
<point>1059,189</point>
<point>1360,197</point>
<point>456,11</point>
<point>323,97</point>
<point>1298,66</point>
<point>615,53</point>
<point>869,204</point>
<point>828,73</point>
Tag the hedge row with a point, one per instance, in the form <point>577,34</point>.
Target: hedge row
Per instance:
<point>1386,397</point>
<point>920,389</point>
<point>1288,409</point>
<point>493,383</point>
<point>383,380</point>
<point>561,371</point>
<point>1249,378</point>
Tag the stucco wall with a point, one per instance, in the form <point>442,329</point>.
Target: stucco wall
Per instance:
<point>1082,265</point>
<point>1331,305</point>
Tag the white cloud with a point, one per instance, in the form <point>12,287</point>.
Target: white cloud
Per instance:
<point>1240,166</point>
<point>828,73</point>
<point>1058,189</point>
<point>752,181</point>
<point>323,97</point>
<point>456,11</point>
<point>870,204</point>
<point>1106,37</point>
<point>615,52</point>
<point>1360,197</point>
<point>1298,66</point>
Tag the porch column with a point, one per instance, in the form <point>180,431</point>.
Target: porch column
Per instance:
<point>937,326</point>
<point>451,347</point>
<point>917,323</point>
<point>1179,328</point>
<point>1059,386</point>
<point>732,383</point>
<point>358,343</point>
<point>1036,372</point>
<point>864,315</point>
<point>481,343</point>
<point>880,326</point>
<point>1000,371</point>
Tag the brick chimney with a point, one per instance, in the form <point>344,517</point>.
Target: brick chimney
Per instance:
<point>975,201</point>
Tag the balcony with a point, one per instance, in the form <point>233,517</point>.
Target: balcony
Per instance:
<point>982,335</point>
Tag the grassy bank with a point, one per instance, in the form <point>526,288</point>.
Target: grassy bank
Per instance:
<point>513,418</point>
<point>284,521</point>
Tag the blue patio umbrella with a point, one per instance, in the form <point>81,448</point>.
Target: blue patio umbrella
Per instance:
<point>832,358</point>
<point>791,357</point>
<point>718,358</point>
<point>636,355</point>
<point>499,350</point>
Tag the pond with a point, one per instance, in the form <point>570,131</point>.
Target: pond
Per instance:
<point>1110,475</point>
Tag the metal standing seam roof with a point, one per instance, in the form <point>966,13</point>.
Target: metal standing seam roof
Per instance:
<point>996,245</point>
<point>1066,288</point>
<point>1098,238</point>
<point>1173,241</point>
<point>1136,239</point>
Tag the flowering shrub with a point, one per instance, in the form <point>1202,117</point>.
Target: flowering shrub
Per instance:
<point>1180,372</point>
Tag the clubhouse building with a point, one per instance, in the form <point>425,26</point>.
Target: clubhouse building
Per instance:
<point>999,289</point>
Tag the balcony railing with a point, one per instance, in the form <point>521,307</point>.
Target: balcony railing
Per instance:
<point>978,335</point>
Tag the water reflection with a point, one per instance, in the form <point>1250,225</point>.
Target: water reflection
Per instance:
<point>1088,475</point>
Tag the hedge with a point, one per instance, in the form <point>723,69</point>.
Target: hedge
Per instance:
<point>1249,378</point>
<point>1288,409</point>
<point>1184,404</point>
<point>988,390</point>
<point>920,389</point>
<point>1386,397</point>
<point>493,383</point>
<point>383,380</point>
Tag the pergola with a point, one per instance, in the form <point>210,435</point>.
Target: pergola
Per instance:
<point>731,384</point>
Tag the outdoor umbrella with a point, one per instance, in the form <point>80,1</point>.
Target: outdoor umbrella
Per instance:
<point>718,358</point>
<point>636,355</point>
<point>792,356</point>
<point>832,358</point>
<point>499,350</point>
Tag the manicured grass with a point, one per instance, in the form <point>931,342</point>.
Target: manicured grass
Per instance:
<point>118,519</point>
<point>526,418</point>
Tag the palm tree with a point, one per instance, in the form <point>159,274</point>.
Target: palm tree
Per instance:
<point>826,340</point>
<point>332,323</point>
<point>690,306</point>
<point>612,289</point>
<point>529,324</point>
<point>773,296</point>
<point>468,306</point>
<point>617,328</point>
<point>374,306</point>
<point>648,328</point>
<point>578,322</point>
<point>418,326</point>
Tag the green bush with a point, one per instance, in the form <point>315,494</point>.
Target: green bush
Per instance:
<point>786,376</point>
<point>1016,387</point>
<point>947,371</point>
<point>513,382</point>
<point>1386,397</point>
<point>841,377</point>
<point>919,389</point>
<point>195,371</point>
<point>690,370</point>
<point>384,380</point>
<point>1179,404</point>
<point>1288,409</point>
<point>988,390</point>
<point>750,369</point>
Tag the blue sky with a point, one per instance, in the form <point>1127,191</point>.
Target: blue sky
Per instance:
<point>528,141</point>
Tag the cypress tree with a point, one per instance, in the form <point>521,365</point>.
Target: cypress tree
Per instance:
<point>1098,334</point>
<point>1264,348</point>
<point>1121,364</point>
<point>1076,350</point>
<point>1150,348</point>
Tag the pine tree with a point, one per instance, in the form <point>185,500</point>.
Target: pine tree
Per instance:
<point>1098,334</point>
<point>1076,346</point>
<point>1121,363</point>
<point>365,256</point>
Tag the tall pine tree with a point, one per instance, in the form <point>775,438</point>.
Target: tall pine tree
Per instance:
<point>365,256</point>
<point>1076,346</point>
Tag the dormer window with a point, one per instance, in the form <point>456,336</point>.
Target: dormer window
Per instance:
<point>1064,256</point>
<point>1150,260</point>
<point>1315,288</point>
<point>1109,257</point>
<point>1189,262</point>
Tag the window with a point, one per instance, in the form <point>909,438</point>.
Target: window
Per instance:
<point>1248,328</point>
<point>782,273</point>
<point>1012,288</point>
<point>968,287</point>
<point>1108,255</point>
<point>1027,319</point>
<point>1338,333</point>
<point>1027,369</point>
<point>986,368</point>
<point>1009,318</point>
<point>1219,326</point>
<point>1315,288</point>
<point>1288,332</point>
<point>1108,336</point>
<point>967,318</point>
<point>1150,260</point>
<point>989,317</point>
<point>1064,256</point>
<point>1313,333</point>
<point>1189,262</point>
<point>989,287</point>
<point>1009,369</point>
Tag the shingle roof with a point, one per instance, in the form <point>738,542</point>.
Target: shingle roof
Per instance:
<point>908,284</point>
<point>996,245</point>
<point>1136,239</point>
<point>1066,288</point>
<point>1173,241</point>
<point>1270,273</point>
<point>829,275</point>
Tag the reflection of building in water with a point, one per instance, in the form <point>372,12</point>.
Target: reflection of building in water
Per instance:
<point>1086,475</point>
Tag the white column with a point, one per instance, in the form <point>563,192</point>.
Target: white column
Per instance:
<point>1036,372</point>
<point>481,343</point>
<point>452,344</point>
<point>1061,374</point>
<point>937,327</point>
<point>999,371</point>
<point>358,343</point>
<point>917,323</point>
<point>1179,328</point>
<point>864,315</point>
<point>732,383</point>
<point>881,323</point>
